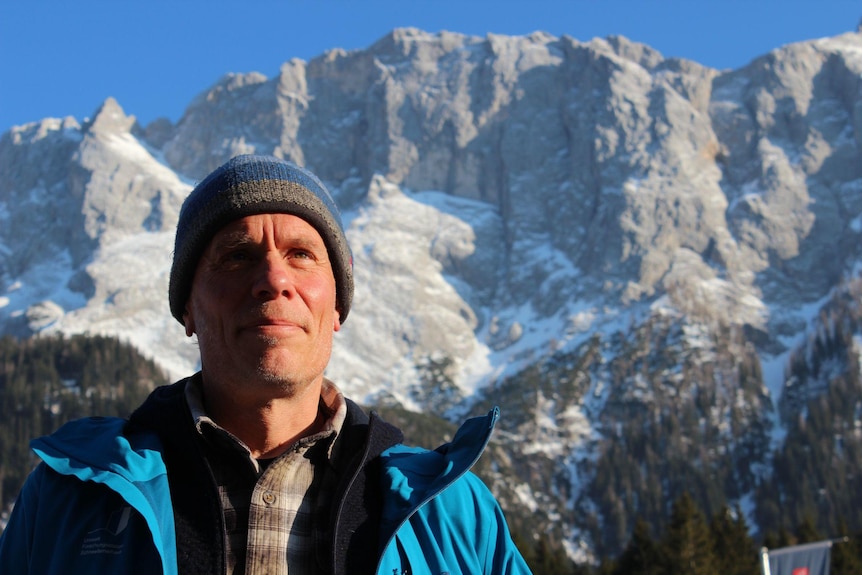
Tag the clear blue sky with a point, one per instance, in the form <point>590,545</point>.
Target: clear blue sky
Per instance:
<point>63,57</point>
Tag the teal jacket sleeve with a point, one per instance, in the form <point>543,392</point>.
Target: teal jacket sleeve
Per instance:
<point>62,525</point>
<point>16,542</point>
<point>98,503</point>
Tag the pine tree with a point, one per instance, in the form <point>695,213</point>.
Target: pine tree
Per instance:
<point>526,549</point>
<point>847,556</point>
<point>642,556</point>
<point>550,560</point>
<point>806,532</point>
<point>688,545</point>
<point>735,551</point>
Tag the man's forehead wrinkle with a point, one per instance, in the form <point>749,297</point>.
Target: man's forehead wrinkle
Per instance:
<point>242,235</point>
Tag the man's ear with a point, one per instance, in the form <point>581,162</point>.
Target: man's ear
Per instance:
<point>336,321</point>
<point>188,322</point>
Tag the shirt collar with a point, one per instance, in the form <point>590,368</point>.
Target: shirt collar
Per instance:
<point>332,404</point>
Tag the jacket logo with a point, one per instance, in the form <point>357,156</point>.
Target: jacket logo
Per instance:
<point>108,540</point>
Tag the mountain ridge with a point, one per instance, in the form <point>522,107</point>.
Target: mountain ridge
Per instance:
<point>517,203</point>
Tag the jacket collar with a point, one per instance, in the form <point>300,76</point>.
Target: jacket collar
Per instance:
<point>412,476</point>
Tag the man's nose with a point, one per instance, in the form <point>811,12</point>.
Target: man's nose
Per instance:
<point>273,278</point>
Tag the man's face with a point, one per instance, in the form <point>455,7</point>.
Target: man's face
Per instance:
<point>262,304</point>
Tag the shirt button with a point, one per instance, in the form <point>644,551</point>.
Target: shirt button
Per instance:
<point>269,498</point>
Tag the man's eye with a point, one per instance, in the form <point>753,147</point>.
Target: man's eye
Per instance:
<point>236,256</point>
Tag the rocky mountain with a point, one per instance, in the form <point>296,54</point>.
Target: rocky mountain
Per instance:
<point>626,252</point>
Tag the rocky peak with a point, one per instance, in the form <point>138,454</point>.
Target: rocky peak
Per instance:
<point>109,119</point>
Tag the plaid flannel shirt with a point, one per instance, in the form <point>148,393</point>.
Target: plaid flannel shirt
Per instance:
<point>276,512</point>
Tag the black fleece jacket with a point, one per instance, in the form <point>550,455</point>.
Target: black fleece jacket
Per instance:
<point>356,505</point>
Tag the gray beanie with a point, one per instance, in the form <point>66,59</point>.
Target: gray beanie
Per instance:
<point>250,185</point>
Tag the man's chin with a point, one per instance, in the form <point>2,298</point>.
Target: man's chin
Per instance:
<point>282,375</point>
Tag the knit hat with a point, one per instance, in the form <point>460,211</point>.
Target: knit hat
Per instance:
<point>249,185</point>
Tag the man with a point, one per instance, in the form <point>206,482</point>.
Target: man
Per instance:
<point>257,464</point>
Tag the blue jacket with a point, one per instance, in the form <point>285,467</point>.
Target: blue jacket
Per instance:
<point>443,518</point>
<point>75,512</point>
<point>101,501</point>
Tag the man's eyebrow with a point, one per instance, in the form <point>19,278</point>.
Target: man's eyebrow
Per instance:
<point>232,240</point>
<point>308,242</point>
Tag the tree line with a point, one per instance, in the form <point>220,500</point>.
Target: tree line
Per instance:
<point>47,381</point>
<point>691,545</point>
<point>721,546</point>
